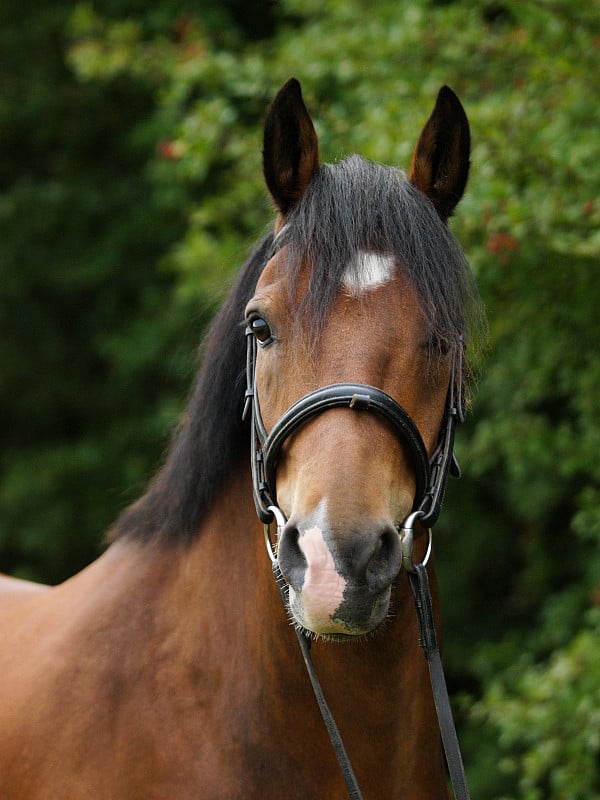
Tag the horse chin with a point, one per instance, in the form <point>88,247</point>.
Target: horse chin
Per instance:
<point>359,615</point>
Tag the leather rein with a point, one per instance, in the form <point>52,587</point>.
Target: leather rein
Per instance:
<point>431,475</point>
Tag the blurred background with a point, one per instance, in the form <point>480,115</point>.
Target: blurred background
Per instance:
<point>131,189</point>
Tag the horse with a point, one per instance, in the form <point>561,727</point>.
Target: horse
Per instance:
<point>169,667</point>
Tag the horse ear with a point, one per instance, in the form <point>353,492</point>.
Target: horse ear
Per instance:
<point>440,165</point>
<point>291,148</point>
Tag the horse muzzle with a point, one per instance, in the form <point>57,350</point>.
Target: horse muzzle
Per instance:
<point>336,584</point>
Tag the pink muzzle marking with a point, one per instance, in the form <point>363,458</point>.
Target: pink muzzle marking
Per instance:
<point>323,588</point>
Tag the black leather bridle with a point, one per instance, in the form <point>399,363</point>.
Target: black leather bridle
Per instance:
<point>431,475</point>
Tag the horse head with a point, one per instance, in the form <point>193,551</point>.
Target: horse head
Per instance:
<point>363,293</point>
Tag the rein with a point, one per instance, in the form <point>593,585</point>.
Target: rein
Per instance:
<point>430,478</point>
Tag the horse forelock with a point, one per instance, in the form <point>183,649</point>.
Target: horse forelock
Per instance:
<point>357,207</point>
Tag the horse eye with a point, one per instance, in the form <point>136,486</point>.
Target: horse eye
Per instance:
<point>260,328</point>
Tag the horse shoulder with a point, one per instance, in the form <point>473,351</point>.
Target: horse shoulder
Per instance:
<point>17,587</point>
<point>17,599</point>
<point>10,585</point>
<point>91,677</point>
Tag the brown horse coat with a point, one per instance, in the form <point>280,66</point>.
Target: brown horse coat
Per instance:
<point>168,668</point>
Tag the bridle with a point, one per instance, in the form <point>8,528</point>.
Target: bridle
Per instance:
<point>431,475</point>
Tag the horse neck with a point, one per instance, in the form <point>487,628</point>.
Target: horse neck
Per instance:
<point>378,689</point>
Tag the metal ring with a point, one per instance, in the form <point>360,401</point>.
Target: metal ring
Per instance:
<point>281,521</point>
<point>407,542</point>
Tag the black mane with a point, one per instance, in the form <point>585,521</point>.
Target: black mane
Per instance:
<point>212,438</point>
<point>352,206</point>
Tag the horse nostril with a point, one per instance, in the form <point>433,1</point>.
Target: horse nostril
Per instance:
<point>384,565</point>
<point>292,561</point>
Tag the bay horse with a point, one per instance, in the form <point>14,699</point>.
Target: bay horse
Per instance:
<point>169,667</point>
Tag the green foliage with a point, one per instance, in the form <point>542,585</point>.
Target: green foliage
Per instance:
<point>133,189</point>
<point>548,717</point>
<point>88,378</point>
